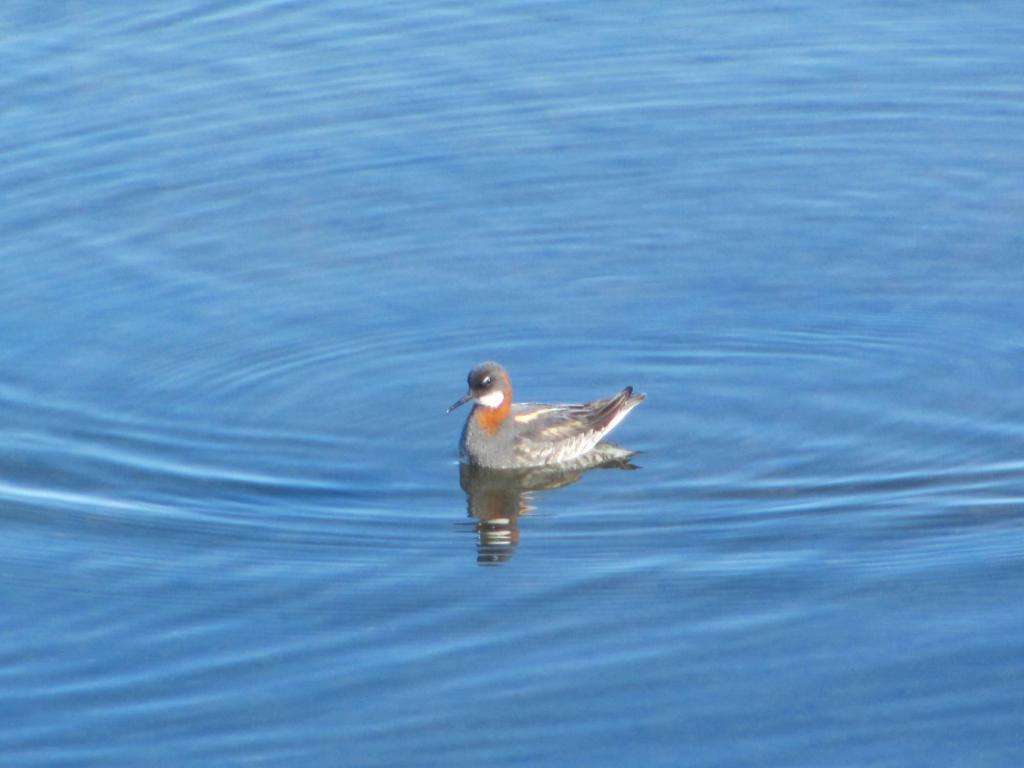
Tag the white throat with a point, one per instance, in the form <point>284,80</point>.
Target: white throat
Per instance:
<point>492,399</point>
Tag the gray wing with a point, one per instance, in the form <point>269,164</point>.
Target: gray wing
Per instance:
<point>566,431</point>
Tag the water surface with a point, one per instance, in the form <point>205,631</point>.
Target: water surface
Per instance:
<point>249,253</point>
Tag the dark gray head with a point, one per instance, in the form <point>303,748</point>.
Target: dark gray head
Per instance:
<point>489,386</point>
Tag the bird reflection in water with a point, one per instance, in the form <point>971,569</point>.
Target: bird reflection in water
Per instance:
<point>497,498</point>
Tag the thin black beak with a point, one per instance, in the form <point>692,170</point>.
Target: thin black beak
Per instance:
<point>457,403</point>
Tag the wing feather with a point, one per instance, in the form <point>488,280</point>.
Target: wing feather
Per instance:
<point>559,433</point>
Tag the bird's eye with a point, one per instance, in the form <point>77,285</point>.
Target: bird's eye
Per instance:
<point>486,382</point>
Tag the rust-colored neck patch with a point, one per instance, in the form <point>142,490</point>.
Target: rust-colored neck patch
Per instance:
<point>492,418</point>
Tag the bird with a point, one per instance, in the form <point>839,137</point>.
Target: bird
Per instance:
<point>500,434</point>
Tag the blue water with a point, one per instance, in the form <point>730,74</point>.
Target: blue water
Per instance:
<point>248,253</point>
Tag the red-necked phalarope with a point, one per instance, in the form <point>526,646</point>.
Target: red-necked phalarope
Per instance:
<point>504,435</point>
